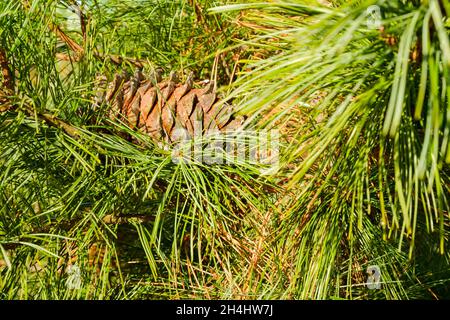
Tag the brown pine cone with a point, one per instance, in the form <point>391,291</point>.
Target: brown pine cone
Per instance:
<point>166,109</point>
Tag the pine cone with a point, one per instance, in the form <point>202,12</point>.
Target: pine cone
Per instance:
<point>166,109</point>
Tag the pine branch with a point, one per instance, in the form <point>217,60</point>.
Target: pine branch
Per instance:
<point>7,89</point>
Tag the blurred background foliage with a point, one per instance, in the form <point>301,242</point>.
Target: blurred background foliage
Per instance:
<point>363,179</point>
